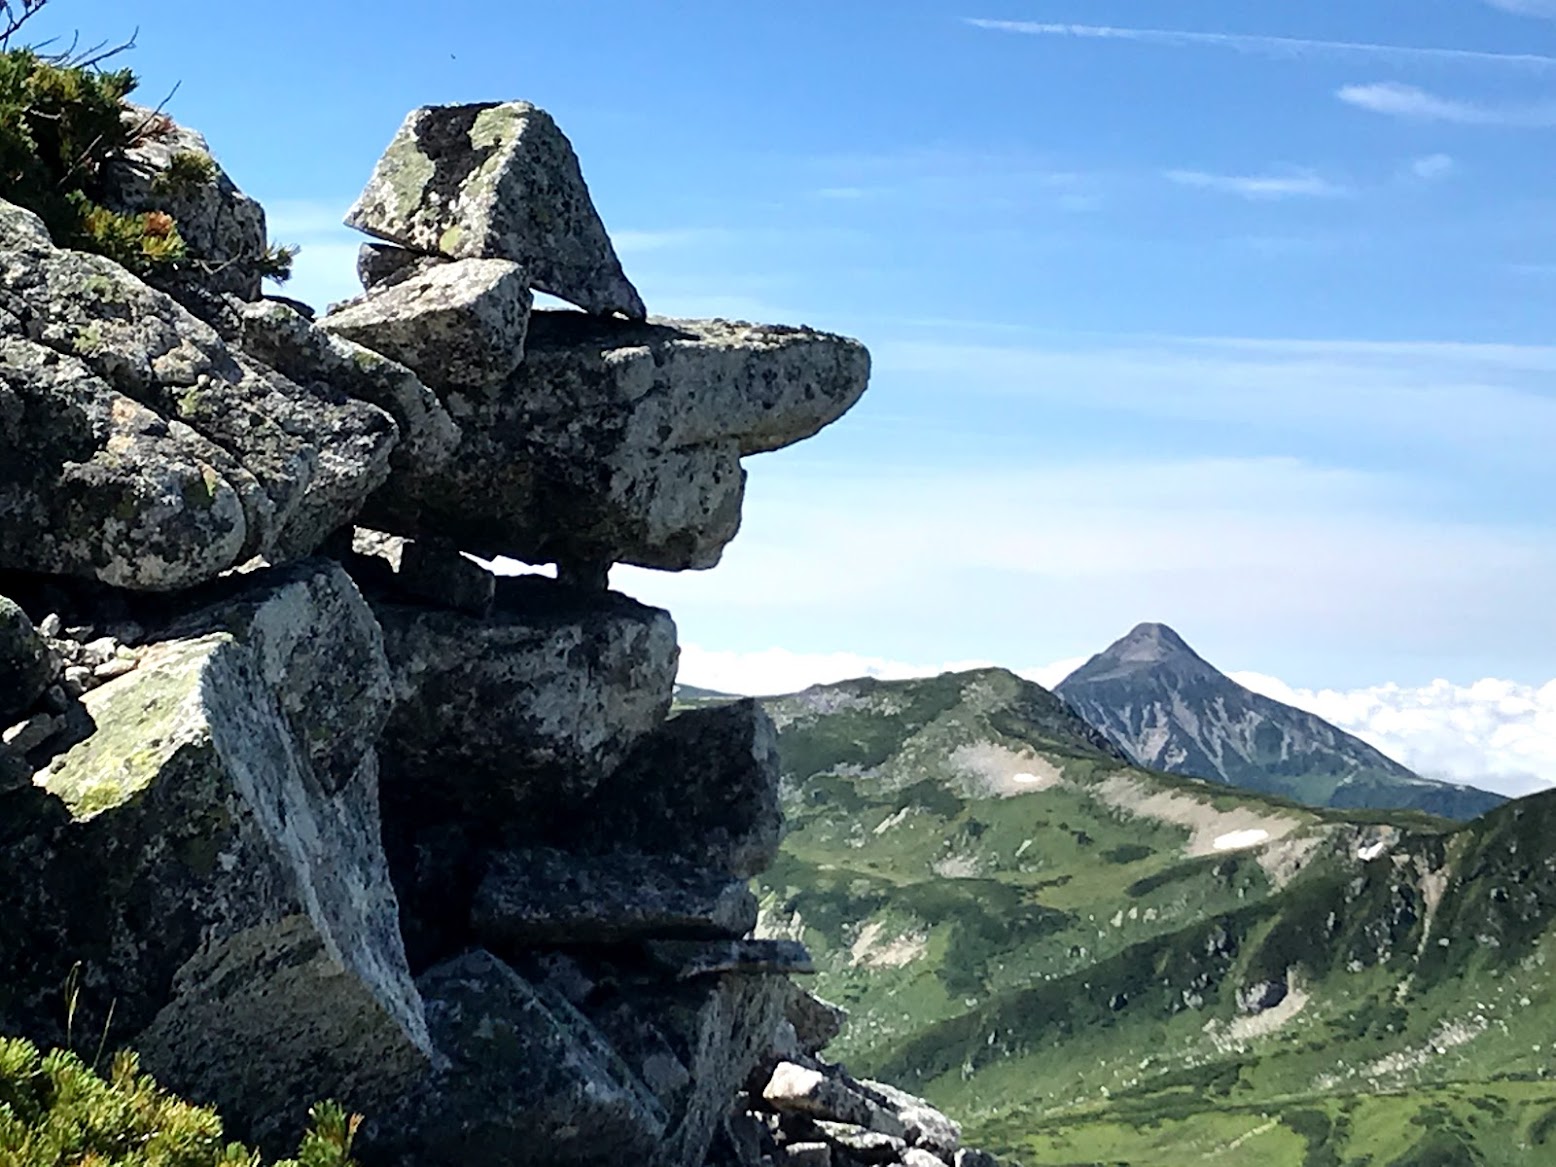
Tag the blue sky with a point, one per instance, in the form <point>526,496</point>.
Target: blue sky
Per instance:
<point>1235,314</point>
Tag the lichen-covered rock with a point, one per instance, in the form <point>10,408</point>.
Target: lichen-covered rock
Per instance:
<point>704,786</point>
<point>528,1079</point>
<point>222,228</point>
<point>295,347</point>
<point>621,442</point>
<point>26,665</point>
<point>496,181</point>
<point>459,324</point>
<point>212,860</point>
<point>315,455</point>
<point>94,484</point>
<point>540,896</point>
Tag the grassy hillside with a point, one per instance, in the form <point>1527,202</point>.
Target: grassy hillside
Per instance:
<point>1096,964</point>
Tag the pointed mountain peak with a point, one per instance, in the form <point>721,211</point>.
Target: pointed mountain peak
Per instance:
<point>1147,648</point>
<point>1149,642</point>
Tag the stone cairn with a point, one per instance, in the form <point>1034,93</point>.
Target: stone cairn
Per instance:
<point>301,801</point>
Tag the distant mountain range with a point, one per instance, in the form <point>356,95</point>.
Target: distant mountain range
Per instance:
<point>1168,709</point>
<point>1093,963</point>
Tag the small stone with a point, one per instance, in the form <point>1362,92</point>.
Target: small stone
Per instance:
<point>117,667</point>
<point>51,626</point>
<point>95,652</point>
<point>78,679</point>
<point>796,1089</point>
<point>26,736</point>
<point>26,664</point>
<point>384,263</point>
<point>808,1155</point>
<point>866,1146</point>
<point>918,1157</point>
<point>437,573</point>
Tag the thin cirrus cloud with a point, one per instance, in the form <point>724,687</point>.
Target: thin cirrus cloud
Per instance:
<point>1407,101</point>
<point>1433,167</point>
<point>1296,184</point>
<point>1542,8</point>
<point>1271,46</point>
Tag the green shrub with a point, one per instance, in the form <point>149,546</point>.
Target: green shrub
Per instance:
<point>61,121</point>
<point>56,1111</point>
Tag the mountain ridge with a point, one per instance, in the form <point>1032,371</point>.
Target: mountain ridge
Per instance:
<point>1169,709</point>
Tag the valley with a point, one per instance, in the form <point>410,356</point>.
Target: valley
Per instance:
<point>1095,963</point>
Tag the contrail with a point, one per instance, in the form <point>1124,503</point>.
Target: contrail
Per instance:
<point>1274,46</point>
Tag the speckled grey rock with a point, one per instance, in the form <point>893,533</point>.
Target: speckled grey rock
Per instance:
<point>540,896</point>
<point>927,1127</point>
<point>529,1079</point>
<point>314,456</point>
<point>222,228</point>
<point>536,703</point>
<point>94,484</point>
<point>26,665</point>
<point>863,1146</point>
<point>216,868</point>
<point>704,786</point>
<point>797,1089</point>
<point>621,442</point>
<point>496,181</point>
<point>455,324</point>
<point>295,347</point>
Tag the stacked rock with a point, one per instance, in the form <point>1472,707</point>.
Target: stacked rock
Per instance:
<point>320,807</point>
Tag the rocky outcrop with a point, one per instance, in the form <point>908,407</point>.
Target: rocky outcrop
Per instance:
<point>301,800</point>
<point>138,449</point>
<point>209,856</point>
<point>622,442</point>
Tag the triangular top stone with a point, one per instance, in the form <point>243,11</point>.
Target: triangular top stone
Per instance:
<point>496,181</point>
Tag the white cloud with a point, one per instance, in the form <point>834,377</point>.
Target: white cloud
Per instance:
<point>1296,184</point>
<point>1433,166</point>
<point>769,671</point>
<point>1495,734</point>
<point>1274,46</point>
<point>1407,101</point>
<point>1542,8</point>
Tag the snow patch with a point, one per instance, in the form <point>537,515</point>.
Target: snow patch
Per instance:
<point>1240,840</point>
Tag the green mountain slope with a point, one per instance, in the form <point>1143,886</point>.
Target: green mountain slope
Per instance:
<point>1093,963</point>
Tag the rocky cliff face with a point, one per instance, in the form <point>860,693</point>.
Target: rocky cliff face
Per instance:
<point>299,800</point>
<point>1156,699</point>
